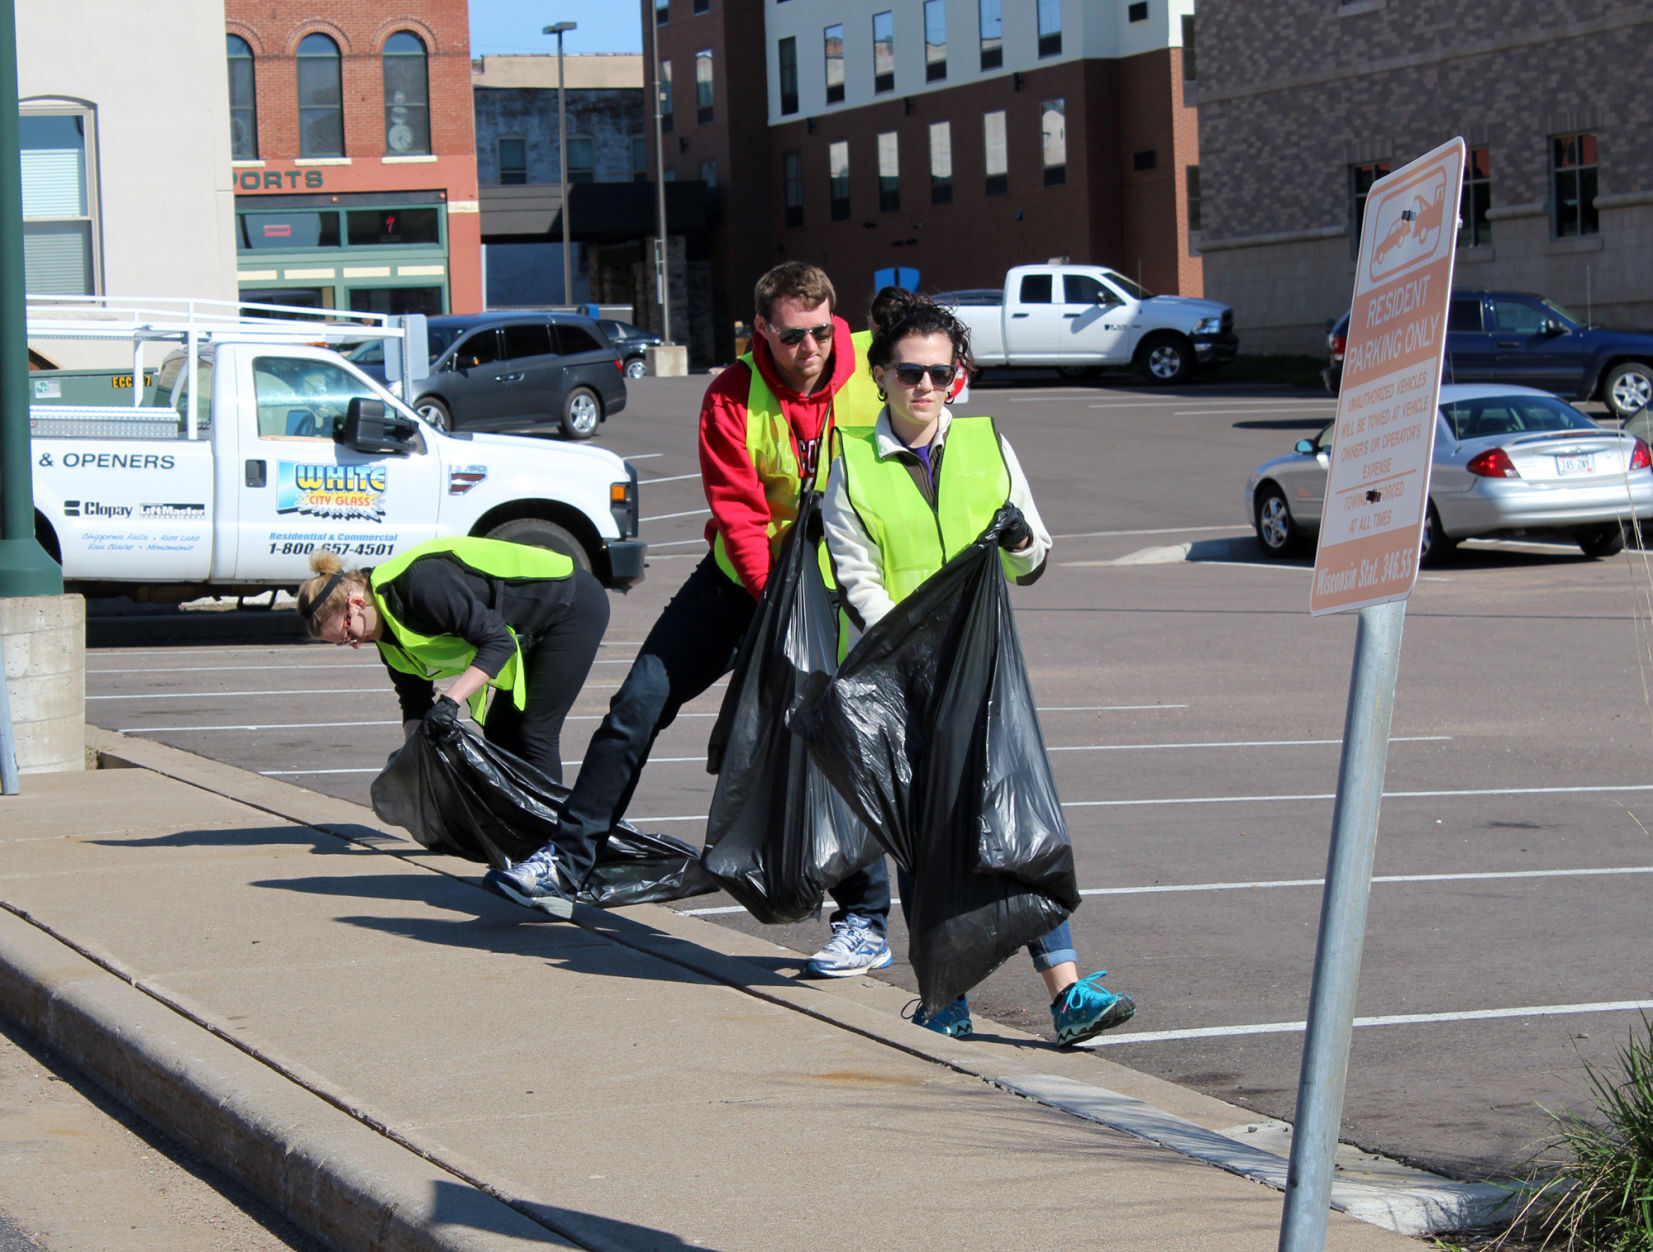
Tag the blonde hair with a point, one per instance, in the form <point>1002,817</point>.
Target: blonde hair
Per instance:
<point>328,593</point>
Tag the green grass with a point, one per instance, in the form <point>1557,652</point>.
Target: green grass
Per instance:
<point>1287,370</point>
<point>1592,1188</point>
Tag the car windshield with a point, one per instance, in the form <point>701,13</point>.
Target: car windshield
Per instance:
<point>1511,415</point>
<point>1135,291</point>
<point>370,353</point>
<point>439,337</point>
<point>1563,312</point>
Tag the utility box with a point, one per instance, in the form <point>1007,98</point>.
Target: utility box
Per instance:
<point>669,360</point>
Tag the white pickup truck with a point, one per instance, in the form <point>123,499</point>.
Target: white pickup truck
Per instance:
<point>222,479</point>
<point>1079,318</point>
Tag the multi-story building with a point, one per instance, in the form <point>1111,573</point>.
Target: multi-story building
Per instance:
<point>951,137</point>
<point>126,183</point>
<point>1303,104</point>
<point>518,160</point>
<point>351,147</point>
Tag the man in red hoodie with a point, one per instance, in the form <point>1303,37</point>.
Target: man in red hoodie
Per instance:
<point>764,426</point>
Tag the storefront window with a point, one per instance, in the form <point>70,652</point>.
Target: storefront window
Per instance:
<point>380,227</point>
<point>298,229</point>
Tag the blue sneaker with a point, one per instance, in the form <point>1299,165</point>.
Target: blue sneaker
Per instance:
<point>539,882</point>
<point>855,948</point>
<point>1088,1008</point>
<point>953,1020</point>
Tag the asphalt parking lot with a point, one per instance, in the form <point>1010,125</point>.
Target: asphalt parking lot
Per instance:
<point>1193,711</point>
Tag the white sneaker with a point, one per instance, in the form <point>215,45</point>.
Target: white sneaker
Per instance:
<point>855,948</point>
<point>539,882</point>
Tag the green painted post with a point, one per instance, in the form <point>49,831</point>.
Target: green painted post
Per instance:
<point>25,569</point>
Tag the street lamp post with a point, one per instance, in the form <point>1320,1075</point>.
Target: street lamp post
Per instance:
<point>557,29</point>
<point>659,185</point>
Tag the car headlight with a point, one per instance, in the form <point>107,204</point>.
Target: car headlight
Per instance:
<point>1210,326</point>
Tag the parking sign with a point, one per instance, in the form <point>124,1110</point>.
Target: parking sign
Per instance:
<point>1377,491</point>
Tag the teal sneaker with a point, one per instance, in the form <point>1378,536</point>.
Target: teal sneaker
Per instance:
<point>1088,1008</point>
<point>953,1020</point>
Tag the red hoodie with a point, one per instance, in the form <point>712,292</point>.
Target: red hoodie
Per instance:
<point>733,489</point>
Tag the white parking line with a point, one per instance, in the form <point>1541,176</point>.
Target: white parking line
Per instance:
<point>1388,795</point>
<point>1398,1019</point>
<point>673,478</point>
<point>233,669</point>
<point>1602,789</point>
<point>666,517</point>
<point>178,730</point>
<point>1105,708</point>
<point>1239,743</point>
<point>1609,871</point>
<point>295,691</point>
<point>1163,530</point>
<point>374,769</point>
<point>1158,889</point>
<point>1315,414</point>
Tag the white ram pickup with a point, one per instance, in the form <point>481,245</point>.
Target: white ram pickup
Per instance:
<point>1079,318</point>
<point>222,479</point>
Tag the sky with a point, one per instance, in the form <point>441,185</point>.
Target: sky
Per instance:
<point>502,26</point>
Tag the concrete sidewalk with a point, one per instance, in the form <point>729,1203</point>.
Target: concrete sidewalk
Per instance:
<point>397,1059</point>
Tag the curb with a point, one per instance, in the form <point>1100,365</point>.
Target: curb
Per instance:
<point>329,1174</point>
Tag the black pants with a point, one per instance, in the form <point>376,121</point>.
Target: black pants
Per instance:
<point>556,665</point>
<point>692,644</point>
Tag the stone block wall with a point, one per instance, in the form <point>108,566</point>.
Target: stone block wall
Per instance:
<point>43,647</point>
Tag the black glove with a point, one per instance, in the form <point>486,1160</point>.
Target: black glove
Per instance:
<point>441,720</point>
<point>1013,528</point>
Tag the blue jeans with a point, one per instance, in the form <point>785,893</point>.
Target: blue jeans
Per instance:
<point>692,644</point>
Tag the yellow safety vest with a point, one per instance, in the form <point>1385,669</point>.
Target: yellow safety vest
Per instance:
<point>769,444</point>
<point>914,538</point>
<point>437,656</point>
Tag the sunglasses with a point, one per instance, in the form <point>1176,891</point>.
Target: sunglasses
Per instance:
<point>792,336</point>
<point>912,375</point>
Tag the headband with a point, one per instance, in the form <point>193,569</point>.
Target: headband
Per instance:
<point>309,610</point>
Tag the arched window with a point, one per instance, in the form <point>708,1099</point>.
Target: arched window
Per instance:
<point>320,98</point>
<point>243,101</point>
<point>407,95</point>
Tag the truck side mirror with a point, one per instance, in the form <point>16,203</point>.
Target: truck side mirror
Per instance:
<point>370,427</point>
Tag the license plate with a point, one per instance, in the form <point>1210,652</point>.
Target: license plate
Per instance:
<point>1584,464</point>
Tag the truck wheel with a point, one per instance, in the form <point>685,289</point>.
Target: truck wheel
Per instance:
<point>1167,359</point>
<point>537,532</point>
<point>1628,388</point>
<point>581,413</point>
<point>436,413</point>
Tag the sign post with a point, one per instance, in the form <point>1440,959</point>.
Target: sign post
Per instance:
<point>1376,507</point>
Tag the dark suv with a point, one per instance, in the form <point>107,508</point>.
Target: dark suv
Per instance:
<point>1526,339</point>
<point>515,370</point>
<point>631,342</point>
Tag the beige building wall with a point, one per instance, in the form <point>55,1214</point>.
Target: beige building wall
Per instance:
<point>156,81</point>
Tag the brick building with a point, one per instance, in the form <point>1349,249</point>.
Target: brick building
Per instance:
<point>353,155</point>
<point>1303,103</point>
<point>954,137</point>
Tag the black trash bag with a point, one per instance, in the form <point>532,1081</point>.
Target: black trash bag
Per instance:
<point>779,835</point>
<point>470,798</point>
<point>929,730</point>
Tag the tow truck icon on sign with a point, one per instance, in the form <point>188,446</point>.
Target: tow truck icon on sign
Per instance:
<point>1409,227</point>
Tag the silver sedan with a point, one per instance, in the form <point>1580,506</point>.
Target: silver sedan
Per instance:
<point>1508,460</point>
